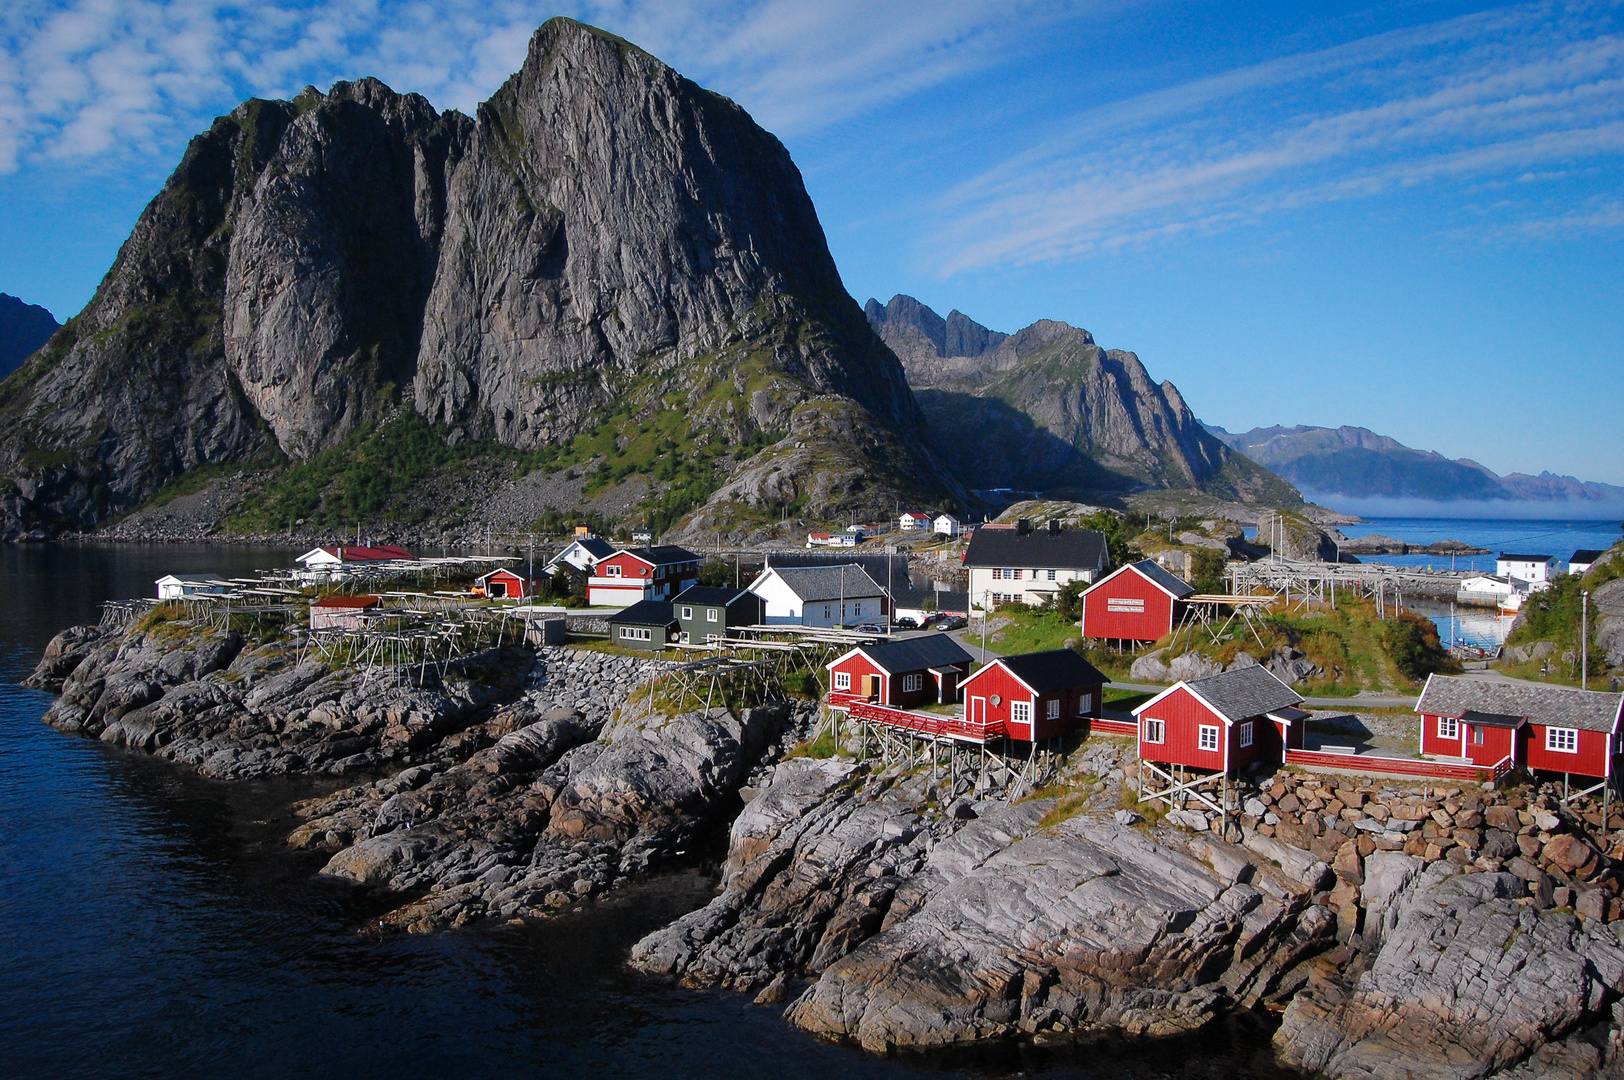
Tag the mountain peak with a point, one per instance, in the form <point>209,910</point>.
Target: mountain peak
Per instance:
<point>24,328</point>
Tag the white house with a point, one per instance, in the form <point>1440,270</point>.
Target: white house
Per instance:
<point>583,553</point>
<point>846,538</point>
<point>1537,570</point>
<point>1485,589</point>
<point>945,525</point>
<point>1583,560</point>
<point>910,522</point>
<point>820,596</point>
<point>180,586</point>
<point>1016,564</point>
<point>334,562</point>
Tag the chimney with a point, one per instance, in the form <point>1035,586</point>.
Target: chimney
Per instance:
<point>1054,526</point>
<point>1023,526</point>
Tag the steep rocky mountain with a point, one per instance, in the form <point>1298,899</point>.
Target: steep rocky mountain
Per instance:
<point>1356,462</point>
<point>606,266</point>
<point>24,328</point>
<point>1048,409</point>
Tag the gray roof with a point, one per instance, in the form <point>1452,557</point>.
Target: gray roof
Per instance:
<point>1245,692</point>
<point>645,613</point>
<point>1069,549</point>
<point>663,555</point>
<point>812,583</point>
<point>917,653</point>
<point>1556,706</point>
<point>1158,573</point>
<point>1053,669</point>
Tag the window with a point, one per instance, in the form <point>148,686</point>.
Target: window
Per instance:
<point>1207,737</point>
<point>710,615</point>
<point>687,613</point>
<point>636,633</point>
<point>1020,712</point>
<point>1085,702</point>
<point>857,610</point>
<point>997,574</point>
<point>1448,727</point>
<point>1017,574</point>
<point>1246,734</point>
<point>1155,732</point>
<point>826,610</point>
<point>1054,709</point>
<point>1477,736</point>
<point>611,571</point>
<point>910,683</point>
<point>1562,739</point>
<point>712,638</point>
<point>842,680</point>
<point>1051,575</point>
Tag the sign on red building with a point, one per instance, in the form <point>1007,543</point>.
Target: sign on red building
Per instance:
<point>1137,602</point>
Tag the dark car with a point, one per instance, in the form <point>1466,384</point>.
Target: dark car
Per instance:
<point>953,622</point>
<point>905,623</point>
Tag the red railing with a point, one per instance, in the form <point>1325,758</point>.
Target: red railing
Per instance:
<point>947,727</point>
<point>1113,727</point>
<point>1441,770</point>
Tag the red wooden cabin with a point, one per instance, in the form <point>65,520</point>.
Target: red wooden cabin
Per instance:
<point>1041,695</point>
<point>1553,729</point>
<point>502,585</point>
<point>1221,723</point>
<point>340,612</point>
<point>656,573</point>
<point>902,674</point>
<point>1137,602</point>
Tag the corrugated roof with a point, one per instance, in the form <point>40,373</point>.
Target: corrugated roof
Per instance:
<point>1053,669</point>
<point>814,583</point>
<point>917,653</point>
<point>1158,573</point>
<point>1069,549</point>
<point>646,613</point>
<point>1245,692</point>
<point>1557,706</point>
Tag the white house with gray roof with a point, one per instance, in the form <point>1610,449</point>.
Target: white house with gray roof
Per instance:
<point>842,595</point>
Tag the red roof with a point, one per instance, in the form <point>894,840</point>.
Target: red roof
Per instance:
<point>365,554</point>
<point>335,600</point>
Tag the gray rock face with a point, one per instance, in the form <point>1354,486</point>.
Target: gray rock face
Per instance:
<point>602,237</point>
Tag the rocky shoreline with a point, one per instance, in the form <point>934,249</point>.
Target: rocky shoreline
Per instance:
<point>1390,929</point>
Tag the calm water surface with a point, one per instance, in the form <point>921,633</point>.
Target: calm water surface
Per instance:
<point>153,924</point>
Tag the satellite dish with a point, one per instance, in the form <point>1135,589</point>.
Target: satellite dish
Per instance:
<point>995,701</point>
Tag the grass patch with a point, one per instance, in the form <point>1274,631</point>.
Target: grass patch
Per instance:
<point>1067,808</point>
<point>824,746</point>
<point>1030,630</point>
<point>1126,700</point>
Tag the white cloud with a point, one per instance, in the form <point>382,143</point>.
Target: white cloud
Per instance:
<point>1504,92</point>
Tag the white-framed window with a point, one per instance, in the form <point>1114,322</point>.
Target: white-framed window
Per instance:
<point>1477,736</point>
<point>1020,712</point>
<point>1562,739</point>
<point>1448,727</point>
<point>1155,731</point>
<point>857,610</point>
<point>637,633</point>
<point>910,683</point>
<point>712,638</point>
<point>611,571</point>
<point>687,613</point>
<point>711,615</point>
<point>997,574</point>
<point>842,680</point>
<point>1246,734</point>
<point>1054,709</point>
<point>1207,737</point>
<point>1017,574</point>
<point>1051,575</point>
<point>1085,702</point>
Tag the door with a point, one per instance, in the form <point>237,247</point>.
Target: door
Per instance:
<point>871,686</point>
<point>978,710</point>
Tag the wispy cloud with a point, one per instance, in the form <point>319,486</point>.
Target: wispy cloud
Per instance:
<point>104,80</point>
<point>1497,94</point>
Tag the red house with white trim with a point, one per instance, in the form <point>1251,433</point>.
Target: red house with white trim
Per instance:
<point>1041,695</point>
<point>1554,729</point>
<point>648,573</point>
<point>1222,723</point>
<point>502,584</point>
<point>1141,601</point>
<point>902,674</point>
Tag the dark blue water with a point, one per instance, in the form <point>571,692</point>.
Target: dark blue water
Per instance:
<point>1559,538</point>
<point>153,924</point>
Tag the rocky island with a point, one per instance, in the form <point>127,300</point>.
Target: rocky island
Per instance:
<point>1391,929</point>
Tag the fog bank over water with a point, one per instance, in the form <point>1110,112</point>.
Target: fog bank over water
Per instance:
<point>1481,509</point>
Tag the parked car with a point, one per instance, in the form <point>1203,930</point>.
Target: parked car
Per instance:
<point>871,628</point>
<point>953,622</point>
<point>905,623</point>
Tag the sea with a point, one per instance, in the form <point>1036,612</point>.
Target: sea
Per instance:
<point>1476,627</point>
<point>154,924</point>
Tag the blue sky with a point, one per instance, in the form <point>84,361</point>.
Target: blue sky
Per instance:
<point>1407,216</point>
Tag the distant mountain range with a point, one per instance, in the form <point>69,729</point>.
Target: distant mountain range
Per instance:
<point>23,329</point>
<point>1047,409</point>
<point>1356,463</point>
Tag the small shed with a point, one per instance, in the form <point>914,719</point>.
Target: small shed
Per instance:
<point>647,624</point>
<point>502,584</point>
<point>1141,601</point>
<point>1554,729</point>
<point>1035,696</point>
<point>1221,723</point>
<point>180,586</point>
<point>338,612</point>
<point>945,525</point>
<point>704,613</point>
<point>903,674</point>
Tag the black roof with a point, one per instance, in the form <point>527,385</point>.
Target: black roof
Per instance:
<point>709,594</point>
<point>1055,669</point>
<point>1072,549</point>
<point>663,554</point>
<point>1586,555</point>
<point>917,653</point>
<point>1156,572</point>
<point>1509,557</point>
<point>957,603</point>
<point>1489,719</point>
<point>646,613</point>
<point>889,571</point>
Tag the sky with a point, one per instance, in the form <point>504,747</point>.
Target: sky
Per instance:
<point>1407,216</point>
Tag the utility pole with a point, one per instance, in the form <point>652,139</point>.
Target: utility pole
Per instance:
<point>1584,640</point>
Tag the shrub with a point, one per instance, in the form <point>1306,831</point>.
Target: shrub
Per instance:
<point>1411,642</point>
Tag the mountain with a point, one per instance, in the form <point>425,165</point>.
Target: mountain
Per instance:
<point>1356,463</point>
<point>1049,410</point>
<point>605,267</point>
<point>23,329</point>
